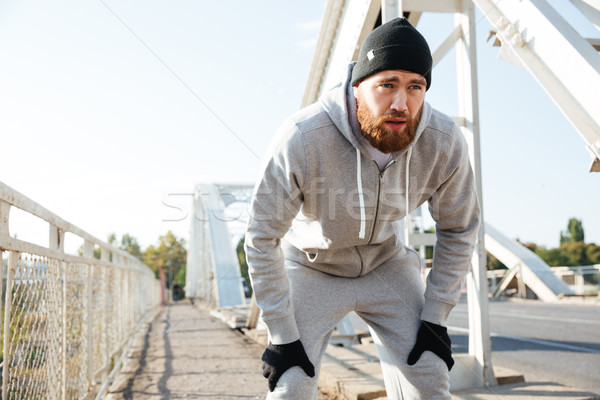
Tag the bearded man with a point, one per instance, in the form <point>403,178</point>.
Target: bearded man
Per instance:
<point>323,237</point>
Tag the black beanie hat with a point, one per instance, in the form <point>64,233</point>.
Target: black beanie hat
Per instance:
<point>393,45</point>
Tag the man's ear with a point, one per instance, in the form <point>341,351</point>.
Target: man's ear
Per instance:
<point>355,91</point>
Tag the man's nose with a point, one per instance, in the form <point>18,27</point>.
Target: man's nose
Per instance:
<point>399,101</point>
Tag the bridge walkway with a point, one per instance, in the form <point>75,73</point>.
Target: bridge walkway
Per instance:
<point>185,353</point>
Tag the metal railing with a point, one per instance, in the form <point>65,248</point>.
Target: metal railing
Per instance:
<point>584,280</point>
<point>66,318</point>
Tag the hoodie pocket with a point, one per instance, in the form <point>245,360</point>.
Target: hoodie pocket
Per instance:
<point>340,262</point>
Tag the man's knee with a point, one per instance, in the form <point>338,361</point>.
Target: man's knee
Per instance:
<point>429,378</point>
<point>294,384</point>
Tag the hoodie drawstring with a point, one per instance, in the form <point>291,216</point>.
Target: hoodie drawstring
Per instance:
<point>407,218</point>
<point>361,199</point>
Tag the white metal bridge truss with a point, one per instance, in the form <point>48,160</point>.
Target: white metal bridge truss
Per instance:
<point>213,271</point>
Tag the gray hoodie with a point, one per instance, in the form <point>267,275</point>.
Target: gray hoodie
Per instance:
<point>322,202</point>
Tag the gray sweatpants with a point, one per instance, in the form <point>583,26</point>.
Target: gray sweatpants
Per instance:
<point>389,299</point>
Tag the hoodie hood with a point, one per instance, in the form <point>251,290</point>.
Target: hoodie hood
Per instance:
<point>340,105</point>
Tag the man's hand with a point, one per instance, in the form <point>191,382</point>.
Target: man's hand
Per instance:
<point>278,358</point>
<point>434,338</point>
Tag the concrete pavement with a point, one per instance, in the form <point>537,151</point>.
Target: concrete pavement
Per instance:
<point>354,374</point>
<point>185,353</point>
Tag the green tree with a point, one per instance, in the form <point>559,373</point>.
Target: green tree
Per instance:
<point>576,253</point>
<point>553,257</point>
<point>128,243</point>
<point>574,232</point>
<point>592,253</point>
<point>241,254</point>
<point>131,245</point>
<point>573,251</point>
<point>170,255</point>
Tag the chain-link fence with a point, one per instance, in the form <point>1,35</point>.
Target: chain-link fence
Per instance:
<point>66,319</point>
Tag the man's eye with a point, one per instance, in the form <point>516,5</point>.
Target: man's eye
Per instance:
<point>387,85</point>
<point>415,87</point>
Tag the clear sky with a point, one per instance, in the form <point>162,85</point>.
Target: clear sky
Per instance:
<point>109,109</point>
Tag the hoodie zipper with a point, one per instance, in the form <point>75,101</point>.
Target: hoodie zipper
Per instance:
<point>379,184</point>
<point>376,207</point>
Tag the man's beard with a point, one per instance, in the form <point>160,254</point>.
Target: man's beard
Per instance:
<point>381,137</point>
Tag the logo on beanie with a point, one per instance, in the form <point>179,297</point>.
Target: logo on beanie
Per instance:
<point>370,55</point>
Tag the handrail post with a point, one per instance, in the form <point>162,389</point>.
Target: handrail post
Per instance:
<point>12,264</point>
<point>103,336</point>
<point>4,213</point>
<point>1,285</point>
<point>109,299</point>
<point>56,241</point>
<point>130,302</point>
<point>88,252</point>
<point>90,334</point>
<point>64,330</point>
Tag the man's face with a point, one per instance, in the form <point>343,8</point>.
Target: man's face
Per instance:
<point>389,108</point>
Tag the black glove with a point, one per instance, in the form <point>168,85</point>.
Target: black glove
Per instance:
<point>434,338</point>
<point>278,358</point>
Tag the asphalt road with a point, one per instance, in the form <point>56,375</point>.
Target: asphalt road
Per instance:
<point>545,342</point>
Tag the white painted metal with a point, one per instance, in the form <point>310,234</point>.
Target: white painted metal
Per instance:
<point>6,356</point>
<point>192,274</point>
<point>506,279</point>
<point>465,372</point>
<point>591,9</point>
<point>539,39</point>
<point>357,17</point>
<point>64,330</point>
<point>466,58</point>
<point>536,274</point>
<point>4,213</point>
<point>91,380</point>
<point>445,6</point>
<point>324,44</point>
<point>391,9</point>
<point>422,239</point>
<point>576,277</point>
<point>213,268</point>
<point>447,45</point>
<point>370,17</point>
